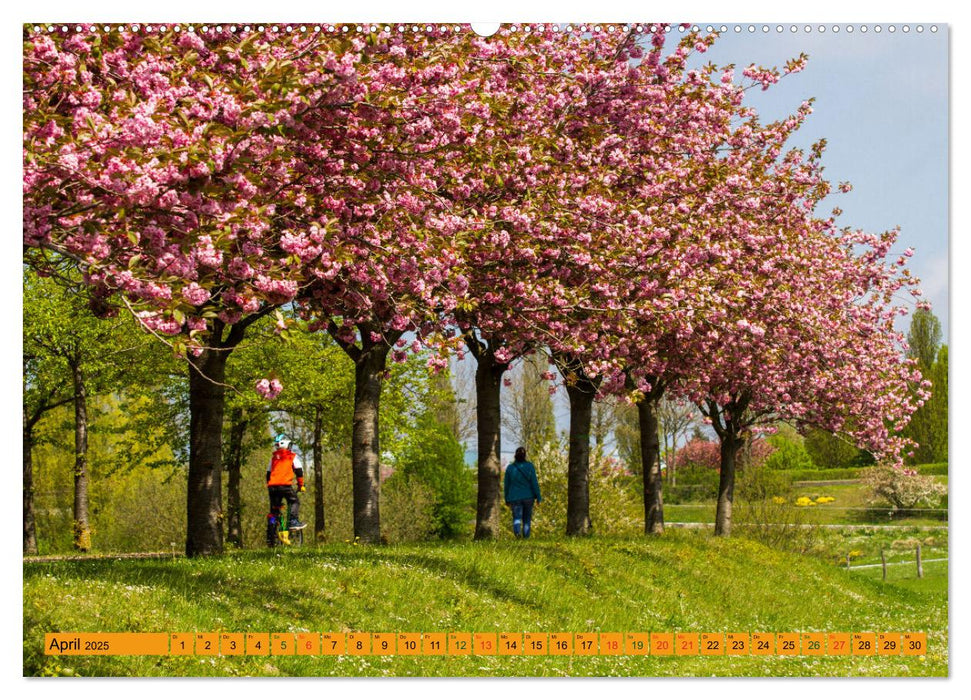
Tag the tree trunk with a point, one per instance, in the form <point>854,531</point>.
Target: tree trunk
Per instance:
<point>365,450</point>
<point>320,529</point>
<point>207,404</point>
<point>234,506</point>
<point>82,526</point>
<point>650,450</point>
<point>30,528</point>
<point>488,384</point>
<point>726,484</point>
<point>578,470</point>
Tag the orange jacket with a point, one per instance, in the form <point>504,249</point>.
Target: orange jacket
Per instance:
<point>281,471</point>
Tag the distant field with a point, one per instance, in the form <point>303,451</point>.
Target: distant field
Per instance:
<point>684,581</point>
<point>850,507</point>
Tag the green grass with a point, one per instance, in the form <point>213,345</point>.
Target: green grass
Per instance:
<point>684,581</point>
<point>851,507</point>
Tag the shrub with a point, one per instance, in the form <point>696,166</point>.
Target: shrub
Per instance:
<point>790,453</point>
<point>433,456</point>
<point>694,483</point>
<point>765,511</point>
<point>616,504</point>
<point>407,509</point>
<point>902,489</point>
<point>824,474</point>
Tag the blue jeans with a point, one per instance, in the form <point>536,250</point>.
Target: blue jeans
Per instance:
<point>522,516</point>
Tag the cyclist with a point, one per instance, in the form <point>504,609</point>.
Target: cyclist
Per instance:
<point>284,466</point>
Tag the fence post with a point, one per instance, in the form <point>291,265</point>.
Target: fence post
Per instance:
<point>883,559</point>
<point>920,565</point>
<point>847,562</point>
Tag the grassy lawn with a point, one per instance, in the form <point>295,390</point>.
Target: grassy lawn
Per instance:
<point>684,581</point>
<point>849,507</point>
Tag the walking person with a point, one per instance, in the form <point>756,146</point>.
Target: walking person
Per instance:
<point>521,490</point>
<point>284,466</point>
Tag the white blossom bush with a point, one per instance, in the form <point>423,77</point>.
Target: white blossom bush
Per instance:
<point>902,489</point>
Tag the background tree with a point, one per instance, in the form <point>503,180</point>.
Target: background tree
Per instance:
<point>528,410</point>
<point>829,451</point>
<point>88,354</point>
<point>928,426</point>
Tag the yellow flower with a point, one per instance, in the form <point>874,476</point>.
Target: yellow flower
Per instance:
<point>778,500</point>
<point>804,501</point>
<point>825,499</point>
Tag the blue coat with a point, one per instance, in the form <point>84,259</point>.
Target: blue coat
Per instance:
<point>519,482</point>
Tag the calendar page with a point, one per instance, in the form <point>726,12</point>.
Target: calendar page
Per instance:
<point>524,349</point>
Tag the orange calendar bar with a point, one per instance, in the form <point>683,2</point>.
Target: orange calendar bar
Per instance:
<point>231,644</point>
<point>611,643</point>
<point>763,643</point>
<point>637,644</point>
<point>686,643</point>
<point>359,643</point>
<point>433,644</point>
<point>382,643</point>
<point>787,644</point>
<point>510,644</point>
<point>914,644</point>
<point>838,644</point>
<point>106,644</point>
<point>207,644</point>
<point>460,643</point>
<point>485,643</point>
<point>282,645</point>
<point>662,643</point>
<point>736,643</point>
<point>813,644</point>
<point>333,643</point>
<point>888,643</point>
<point>864,644</point>
<point>258,644</point>
<point>712,644</point>
<point>585,644</point>
<point>308,644</point>
<point>535,644</point>
<point>561,644</point>
<point>181,644</point>
<point>409,643</point>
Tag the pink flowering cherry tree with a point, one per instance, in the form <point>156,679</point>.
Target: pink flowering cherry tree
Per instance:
<point>192,176</point>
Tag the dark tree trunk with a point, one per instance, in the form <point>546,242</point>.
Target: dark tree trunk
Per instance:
<point>488,385</point>
<point>234,464</point>
<point>581,396</point>
<point>650,451</point>
<point>365,450</point>
<point>30,528</point>
<point>320,528</point>
<point>582,391</point>
<point>730,445</point>
<point>82,525</point>
<point>207,405</point>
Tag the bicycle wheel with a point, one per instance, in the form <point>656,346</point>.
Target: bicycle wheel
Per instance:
<point>271,531</point>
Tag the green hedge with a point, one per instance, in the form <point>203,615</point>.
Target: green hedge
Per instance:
<point>824,474</point>
<point>856,472</point>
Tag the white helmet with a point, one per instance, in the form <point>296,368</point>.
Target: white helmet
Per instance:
<point>281,442</point>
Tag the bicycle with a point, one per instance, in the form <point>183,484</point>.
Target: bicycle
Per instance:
<point>278,532</point>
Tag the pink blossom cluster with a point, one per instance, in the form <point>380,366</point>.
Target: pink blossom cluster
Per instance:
<point>269,388</point>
